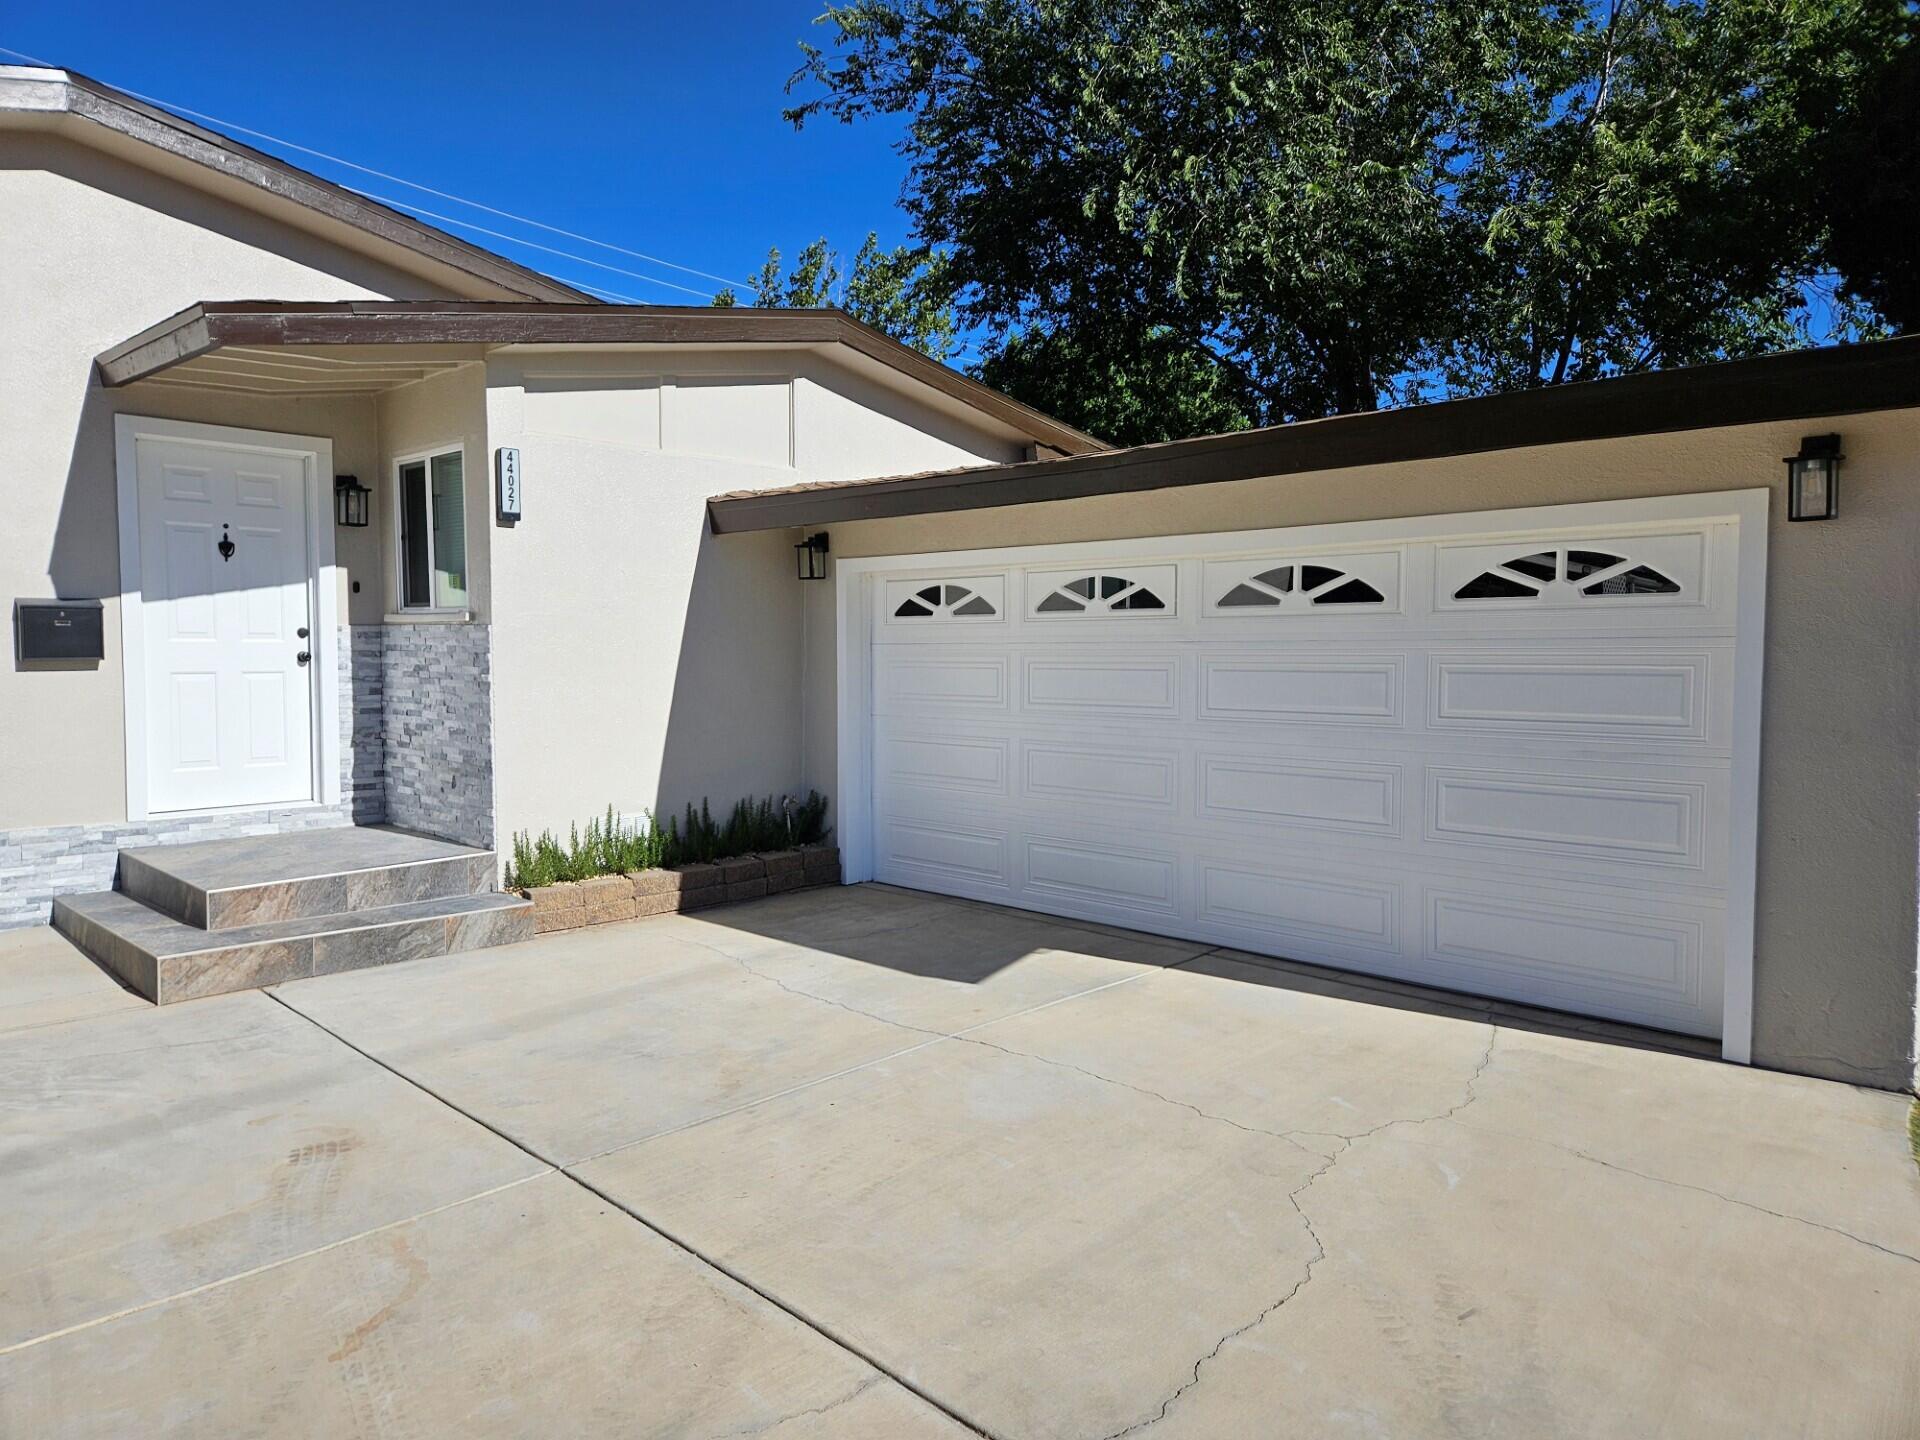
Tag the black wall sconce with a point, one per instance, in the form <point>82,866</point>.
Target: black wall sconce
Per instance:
<point>349,501</point>
<point>811,554</point>
<point>1813,479</point>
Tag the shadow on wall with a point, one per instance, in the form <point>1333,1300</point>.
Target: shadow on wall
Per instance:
<point>85,561</point>
<point>740,711</point>
<point>174,246</point>
<point>735,722</point>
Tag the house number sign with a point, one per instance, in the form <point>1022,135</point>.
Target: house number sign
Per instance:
<point>506,483</point>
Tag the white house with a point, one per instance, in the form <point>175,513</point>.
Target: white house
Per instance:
<point>1542,696</point>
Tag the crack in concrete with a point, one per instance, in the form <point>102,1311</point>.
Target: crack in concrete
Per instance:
<point>967,1039</point>
<point>1467,1098</point>
<point>1319,1244</point>
<point>798,993</point>
<point>1320,1253</point>
<point>1605,1164</point>
<point>1345,1142</point>
<point>847,1399</point>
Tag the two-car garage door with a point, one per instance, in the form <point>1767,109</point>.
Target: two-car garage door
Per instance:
<point>1497,762</point>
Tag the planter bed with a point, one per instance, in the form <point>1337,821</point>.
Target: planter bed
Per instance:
<point>606,898</point>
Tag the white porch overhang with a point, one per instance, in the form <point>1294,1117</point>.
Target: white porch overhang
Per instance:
<point>358,347</point>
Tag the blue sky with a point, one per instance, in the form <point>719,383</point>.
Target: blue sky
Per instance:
<point>655,127</point>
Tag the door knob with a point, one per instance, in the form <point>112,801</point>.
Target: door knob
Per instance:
<point>301,632</point>
<point>303,657</point>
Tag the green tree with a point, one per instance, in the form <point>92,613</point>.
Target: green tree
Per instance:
<point>904,292</point>
<point>1157,388</point>
<point>1646,185</point>
<point>1344,204</point>
<point>1872,197</point>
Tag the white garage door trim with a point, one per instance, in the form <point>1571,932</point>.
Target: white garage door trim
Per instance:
<point>315,455</point>
<point>859,580</point>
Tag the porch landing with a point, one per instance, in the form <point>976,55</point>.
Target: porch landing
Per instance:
<point>185,921</point>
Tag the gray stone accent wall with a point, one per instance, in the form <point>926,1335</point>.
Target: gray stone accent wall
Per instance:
<point>36,865</point>
<point>416,723</point>
<point>363,692</point>
<point>438,682</point>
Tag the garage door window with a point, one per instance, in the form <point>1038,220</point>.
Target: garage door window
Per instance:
<point>1592,572</point>
<point>1092,593</point>
<point>1313,584</point>
<point>936,601</point>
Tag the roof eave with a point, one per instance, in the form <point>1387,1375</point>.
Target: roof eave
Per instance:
<point>210,325</point>
<point>1838,380</point>
<point>53,92</point>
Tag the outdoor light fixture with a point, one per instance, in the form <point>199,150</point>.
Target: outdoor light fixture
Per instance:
<point>1813,479</point>
<point>349,501</point>
<point>812,556</point>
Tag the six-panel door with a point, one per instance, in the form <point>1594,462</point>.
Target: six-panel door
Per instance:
<point>226,617</point>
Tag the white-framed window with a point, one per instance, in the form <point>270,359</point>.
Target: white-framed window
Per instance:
<point>430,529</point>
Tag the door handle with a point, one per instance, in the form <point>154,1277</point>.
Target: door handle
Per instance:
<point>301,632</point>
<point>303,657</point>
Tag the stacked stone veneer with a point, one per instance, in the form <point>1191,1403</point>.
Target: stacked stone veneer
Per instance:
<point>437,730</point>
<point>363,699</point>
<point>416,722</point>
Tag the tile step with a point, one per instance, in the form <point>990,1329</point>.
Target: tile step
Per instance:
<point>230,884</point>
<point>166,960</point>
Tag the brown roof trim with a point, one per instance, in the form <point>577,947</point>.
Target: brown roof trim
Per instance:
<point>65,91</point>
<point>1800,384</point>
<point>213,324</point>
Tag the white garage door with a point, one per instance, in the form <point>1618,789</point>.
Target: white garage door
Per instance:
<point>1496,762</point>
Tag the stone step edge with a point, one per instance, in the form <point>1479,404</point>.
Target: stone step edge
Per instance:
<point>604,899</point>
<point>135,876</point>
<point>310,927</point>
<point>143,969</point>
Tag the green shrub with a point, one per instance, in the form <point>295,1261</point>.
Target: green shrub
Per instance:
<point>694,838</point>
<point>612,846</point>
<point>808,819</point>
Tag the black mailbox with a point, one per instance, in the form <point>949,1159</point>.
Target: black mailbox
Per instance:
<point>58,630</point>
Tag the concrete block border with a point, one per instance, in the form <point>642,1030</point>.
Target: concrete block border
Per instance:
<point>572,904</point>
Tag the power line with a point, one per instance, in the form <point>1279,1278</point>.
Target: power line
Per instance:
<point>530,244</point>
<point>605,293</point>
<point>425,189</point>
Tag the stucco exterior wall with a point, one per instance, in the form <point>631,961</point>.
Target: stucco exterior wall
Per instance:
<point>93,250</point>
<point>638,661</point>
<point>1835,968</point>
<point>433,415</point>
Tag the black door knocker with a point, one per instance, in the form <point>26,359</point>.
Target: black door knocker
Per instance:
<point>225,547</point>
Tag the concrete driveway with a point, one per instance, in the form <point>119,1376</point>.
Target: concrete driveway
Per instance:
<point>864,1163</point>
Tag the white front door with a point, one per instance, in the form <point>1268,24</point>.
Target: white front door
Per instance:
<point>226,623</point>
<point>1495,760</point>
